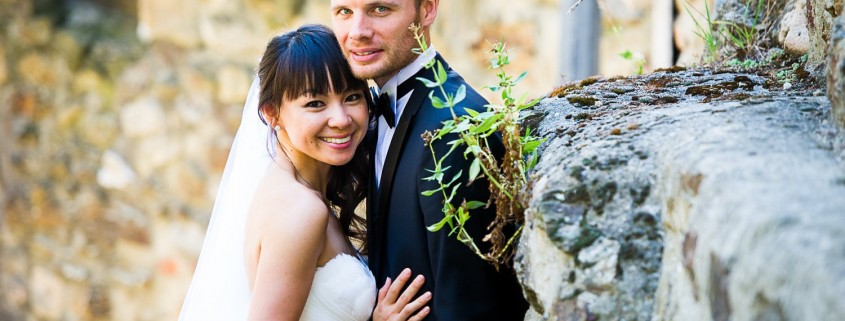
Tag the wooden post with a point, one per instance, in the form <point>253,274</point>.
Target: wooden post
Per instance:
<point>580,43</point>
<point>662,35</point>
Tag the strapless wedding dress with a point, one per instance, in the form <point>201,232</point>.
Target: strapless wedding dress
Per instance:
<point>343,289</point>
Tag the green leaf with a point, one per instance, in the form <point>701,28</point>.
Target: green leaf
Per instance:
<point>521,76</point>
<point>532,161</point>
<point>437,226</point>
<point>530,146</point>
<point>441,73</point>
<point>486,124</point>
<point>428,83</point>
<point>463,216</point>
<point>460,95</point>
<point>436,102</point>
<point>456,177</point>
<point>462,127</point>
<point>474,169</point>
<point>475,204</point>
<point>430,192</point>
<point>471,112</point>
<point>627,54</point>
<point>454,189</point>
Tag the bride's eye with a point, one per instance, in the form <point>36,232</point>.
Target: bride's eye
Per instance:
<point>314,104</point>
<point>354,97</point>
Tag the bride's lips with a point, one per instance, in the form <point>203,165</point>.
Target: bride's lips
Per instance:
<point>339,142</point>
<point>365,55</point>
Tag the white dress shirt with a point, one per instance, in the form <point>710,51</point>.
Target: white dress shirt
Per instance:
<point>385,133</point>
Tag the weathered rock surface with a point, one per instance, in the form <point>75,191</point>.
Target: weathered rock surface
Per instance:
<point>806,27</point>
<point>711,193</point>
<point>836,72</point>
<point>793,34</point>
<point>798,26</point>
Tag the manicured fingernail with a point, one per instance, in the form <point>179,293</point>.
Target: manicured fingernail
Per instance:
<point>406,271</point>
<point>419,278</point>
<point>387,280</point>
<point>427,295</point>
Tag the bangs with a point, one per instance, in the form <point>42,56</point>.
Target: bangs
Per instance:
<point>314,66</point>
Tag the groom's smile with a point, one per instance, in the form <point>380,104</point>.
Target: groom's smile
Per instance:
<point>374,35</point>
<point>365,55</point>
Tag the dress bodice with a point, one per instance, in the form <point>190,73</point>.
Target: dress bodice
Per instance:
<point>343,289</point>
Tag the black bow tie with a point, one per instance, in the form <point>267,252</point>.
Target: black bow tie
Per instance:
<point>383,109</point>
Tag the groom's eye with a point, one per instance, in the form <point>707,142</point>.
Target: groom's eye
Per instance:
<point>380,9</point>
<point>344,11</point>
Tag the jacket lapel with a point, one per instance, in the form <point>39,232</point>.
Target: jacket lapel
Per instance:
<point>382,195</point>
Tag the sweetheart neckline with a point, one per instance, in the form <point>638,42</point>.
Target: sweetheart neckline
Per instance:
<point>341,254</point>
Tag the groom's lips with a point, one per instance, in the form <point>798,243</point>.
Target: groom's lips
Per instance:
<point>365,55</point>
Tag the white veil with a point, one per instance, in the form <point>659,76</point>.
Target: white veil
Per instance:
<point>219,289</point>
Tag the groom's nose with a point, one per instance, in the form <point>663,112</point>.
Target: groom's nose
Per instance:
<point>361,27</point>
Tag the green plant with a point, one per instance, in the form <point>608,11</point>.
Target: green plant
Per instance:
<point>708,34</point>
<point>637,59</point>
<point>789,74</point>
<point>745,64</point>
<point>743,36</point>
<point>508,179</point>
<point>741,40</point>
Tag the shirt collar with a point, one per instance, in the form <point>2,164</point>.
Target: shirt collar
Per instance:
<point>390,87</point>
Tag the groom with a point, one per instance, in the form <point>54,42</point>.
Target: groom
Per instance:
<point>377,42</point>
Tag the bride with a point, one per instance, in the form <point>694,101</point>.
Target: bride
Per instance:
<point>278,243</point>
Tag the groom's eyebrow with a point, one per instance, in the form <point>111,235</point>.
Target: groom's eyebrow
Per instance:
<point>369,5</point>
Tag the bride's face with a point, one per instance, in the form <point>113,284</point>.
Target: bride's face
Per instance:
<point>326,127</point>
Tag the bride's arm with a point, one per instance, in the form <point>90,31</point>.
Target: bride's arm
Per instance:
<point>291,239</point>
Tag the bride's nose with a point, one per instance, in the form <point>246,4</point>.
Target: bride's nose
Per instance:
<point>339,117</point>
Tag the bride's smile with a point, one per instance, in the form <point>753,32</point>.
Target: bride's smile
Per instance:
<point>323,127</point>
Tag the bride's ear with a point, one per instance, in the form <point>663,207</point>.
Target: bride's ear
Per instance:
<point>270,115</point>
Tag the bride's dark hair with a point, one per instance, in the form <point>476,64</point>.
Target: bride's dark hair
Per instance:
<point>309,61</point>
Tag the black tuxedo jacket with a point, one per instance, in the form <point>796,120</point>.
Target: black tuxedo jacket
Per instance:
<point>464,287</point>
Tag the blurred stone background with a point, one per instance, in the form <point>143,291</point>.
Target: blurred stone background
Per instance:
<point>116,118</point>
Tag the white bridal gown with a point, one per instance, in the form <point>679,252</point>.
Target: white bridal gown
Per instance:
<point>343,289</point>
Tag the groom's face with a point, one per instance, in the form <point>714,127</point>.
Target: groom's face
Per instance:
<point>374,34</point>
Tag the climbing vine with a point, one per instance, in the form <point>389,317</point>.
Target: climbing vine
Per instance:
<point>472,132</point>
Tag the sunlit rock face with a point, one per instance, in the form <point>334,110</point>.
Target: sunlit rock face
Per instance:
<point>686,195</point>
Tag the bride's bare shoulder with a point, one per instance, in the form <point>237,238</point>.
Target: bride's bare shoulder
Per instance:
<point>282,202</point>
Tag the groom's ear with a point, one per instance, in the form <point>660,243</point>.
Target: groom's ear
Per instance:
<point>428,12</point>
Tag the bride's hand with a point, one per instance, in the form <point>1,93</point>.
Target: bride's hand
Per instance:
<point>393,306</point>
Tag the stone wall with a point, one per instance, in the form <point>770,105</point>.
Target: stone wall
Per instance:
<point>116,119</point>
<point>686,195</point>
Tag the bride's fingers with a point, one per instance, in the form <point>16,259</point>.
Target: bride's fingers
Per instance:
<point>412,290</point>
<point>397,285</point>
<point>420,315</point>
<point>415,306</point>
<point>383,291</point>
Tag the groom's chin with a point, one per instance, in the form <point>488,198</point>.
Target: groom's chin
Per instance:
<point>365,72</point>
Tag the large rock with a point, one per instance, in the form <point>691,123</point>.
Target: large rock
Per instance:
<point>820,17</point>
<point>709,209</point>
<point>793,34</point>
<point>752,213</point>
<point>836,72</point>
<point>806,27</point>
